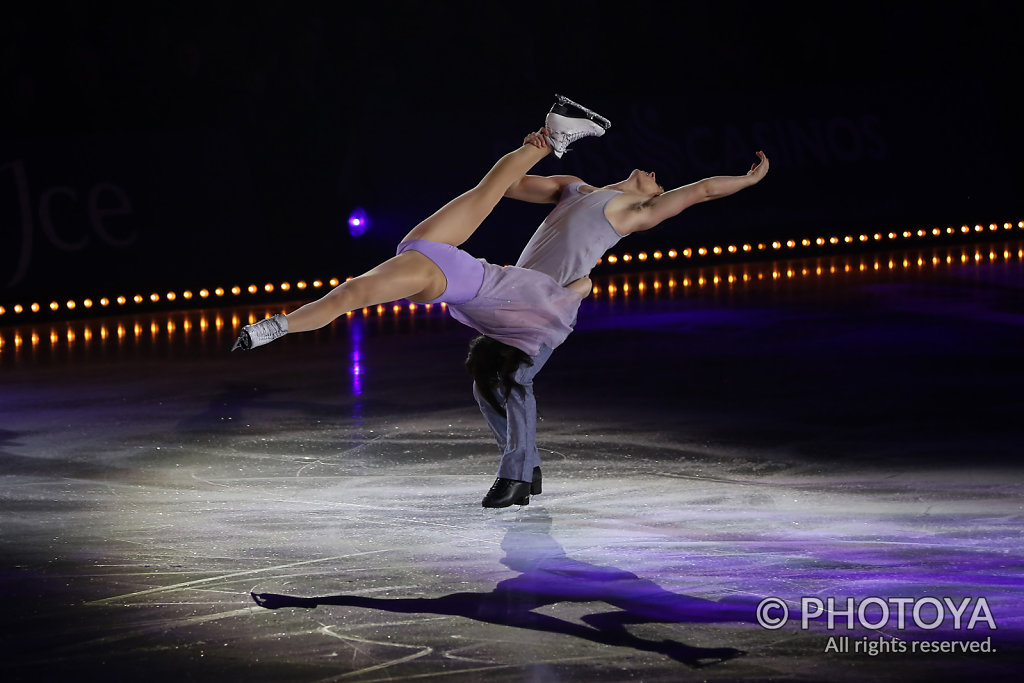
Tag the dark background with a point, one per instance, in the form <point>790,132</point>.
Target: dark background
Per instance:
<point>168,144</point>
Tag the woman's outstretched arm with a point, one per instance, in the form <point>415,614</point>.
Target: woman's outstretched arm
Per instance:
<point>645,215</point>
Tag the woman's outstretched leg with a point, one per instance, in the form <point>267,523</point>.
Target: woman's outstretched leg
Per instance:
<point>411,275</point>
<point>457,220</point>
<point>401,277</point>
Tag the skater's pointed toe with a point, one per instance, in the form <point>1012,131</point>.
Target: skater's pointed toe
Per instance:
<point>263,332</point>
<point>243,342</point>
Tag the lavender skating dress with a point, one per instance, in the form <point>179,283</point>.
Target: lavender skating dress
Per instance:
<point>517,306</point>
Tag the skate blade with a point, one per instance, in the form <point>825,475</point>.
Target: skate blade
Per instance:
<point>591,114</point>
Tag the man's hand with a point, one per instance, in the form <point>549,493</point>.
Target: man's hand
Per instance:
<point>538,139</point>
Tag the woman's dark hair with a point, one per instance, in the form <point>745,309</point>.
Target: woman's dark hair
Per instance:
<point>491,364</point>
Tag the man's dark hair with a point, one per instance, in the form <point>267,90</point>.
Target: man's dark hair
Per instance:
<point>492,364</point>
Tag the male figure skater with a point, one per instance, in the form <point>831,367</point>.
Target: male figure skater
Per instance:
<point>585,223</point>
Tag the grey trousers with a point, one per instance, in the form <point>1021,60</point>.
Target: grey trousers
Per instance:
<point>517,434</point>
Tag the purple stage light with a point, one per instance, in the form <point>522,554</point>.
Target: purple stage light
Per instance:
<point>358,222</point>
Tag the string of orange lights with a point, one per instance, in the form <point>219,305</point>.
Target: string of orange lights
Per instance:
<point>219,325</point>
<point>738,274</point>
<point>807,242</point>
<point>220,295</point>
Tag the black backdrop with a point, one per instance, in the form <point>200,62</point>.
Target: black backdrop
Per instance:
<point>176,145</point>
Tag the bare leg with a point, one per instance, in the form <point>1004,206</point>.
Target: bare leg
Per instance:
<point>412,275</point>
<point>409,275</point>
<point>457,220</point>
<point>401,277</point>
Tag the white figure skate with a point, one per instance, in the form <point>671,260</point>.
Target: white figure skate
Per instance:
<point>263,332</point>
<point>568,121</point>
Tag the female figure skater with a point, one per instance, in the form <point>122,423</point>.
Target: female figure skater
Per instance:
<point>523,308</point>
<point>520,307</point>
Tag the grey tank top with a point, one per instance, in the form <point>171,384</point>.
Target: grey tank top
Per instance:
<point>569,242</point>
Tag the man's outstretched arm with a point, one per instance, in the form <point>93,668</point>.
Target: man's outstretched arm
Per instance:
<point>539,189</point>
<point>645,215</point>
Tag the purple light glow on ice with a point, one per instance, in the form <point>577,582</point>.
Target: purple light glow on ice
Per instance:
<point>355,367</point>
<point>357,371</point>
